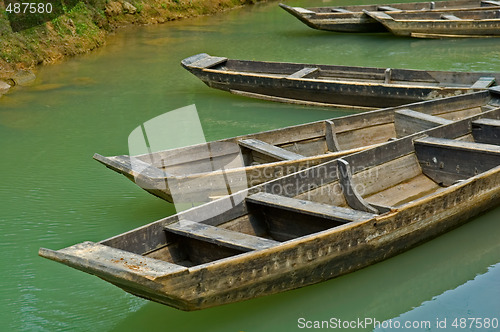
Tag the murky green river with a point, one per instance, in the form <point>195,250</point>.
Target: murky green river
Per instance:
<point>54,195</point>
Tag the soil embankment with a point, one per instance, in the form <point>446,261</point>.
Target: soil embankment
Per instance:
<point>83,28</point>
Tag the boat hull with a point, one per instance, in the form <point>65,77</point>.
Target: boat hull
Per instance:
<point>310,260</point>
<point>339,94</point>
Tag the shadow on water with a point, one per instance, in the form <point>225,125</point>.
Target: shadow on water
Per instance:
<point>381,291</point>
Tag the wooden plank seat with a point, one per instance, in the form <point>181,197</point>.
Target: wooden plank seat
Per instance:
<point>209,61</point>
<point>220,236</point>
<point>447,161</point>
<point>303,10</point>
<point>486,3</point>
<point>336,213</point>
<point>450,17</point>
<point>486,131</point>
<point>388,9</point>
<point>304,72</point>
<point>340,10</point>
<point>483,83</point>
<point>408,122</point>
<point>269,150</point>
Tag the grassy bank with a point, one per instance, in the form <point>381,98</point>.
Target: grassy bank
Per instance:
<point>84,27</point>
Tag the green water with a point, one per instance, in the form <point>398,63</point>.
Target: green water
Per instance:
<point>54,195</point>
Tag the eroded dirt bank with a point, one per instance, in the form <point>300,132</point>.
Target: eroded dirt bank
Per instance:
<point>83,28</point>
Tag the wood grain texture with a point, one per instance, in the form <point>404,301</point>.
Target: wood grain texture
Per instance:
<point>219,236</point>
<point>486,131</point>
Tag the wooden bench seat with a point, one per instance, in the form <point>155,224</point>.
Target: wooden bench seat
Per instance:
<point>408,122</point>
<point>450,17</point>
<point>336,213</point>
<point>447,161</point>
<point>486,3</point>
<point>220,236</point>
<point>304,72</point>
<point>483,83</point>
<point>388,9</point>
<point>209,61</point>
<point>486,131</point>
<point>269,150</point>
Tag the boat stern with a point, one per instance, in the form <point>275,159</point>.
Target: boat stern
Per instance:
<point>142,276</point>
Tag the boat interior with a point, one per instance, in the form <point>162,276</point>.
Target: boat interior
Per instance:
<point>353,189</point>
<point>406,6</point>
<point>480,14</point>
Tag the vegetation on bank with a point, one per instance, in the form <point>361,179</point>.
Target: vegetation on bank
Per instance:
<point>85,26</point>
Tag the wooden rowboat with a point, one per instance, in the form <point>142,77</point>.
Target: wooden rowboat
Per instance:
<point>202,172</point>
<point>328,85</point>
<point>309,226</point>
<point>442,24</point>
<point>353,19</point>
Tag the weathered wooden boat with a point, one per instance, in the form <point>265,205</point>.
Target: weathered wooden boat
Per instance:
<point>309,226</point>
<point>329,85</point>
<point>442,24</point>
<point>353,19</point>
<point>202,172</point>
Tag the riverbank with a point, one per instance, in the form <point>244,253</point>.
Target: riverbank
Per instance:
<point>83,28</point>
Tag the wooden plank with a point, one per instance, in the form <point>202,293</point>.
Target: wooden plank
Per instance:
<point>450,17</point>
<point>447,161</point>
<point>89,256</point>
<point>340,10</point>
<point>209,61</point>
<point>353,198</point>
<point>404,192</point>
<point>331,137</point>
<point>483,82</point>
<point>131,165</point>
<point>407,122</point>
<point>486,3</point>
<point>326,211</point>
<point>304,72</point>
<point>388,9</point>
<point>220,236</point>
<point>303,10</point>
<point>269,150</point>
<point>486,131</point>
